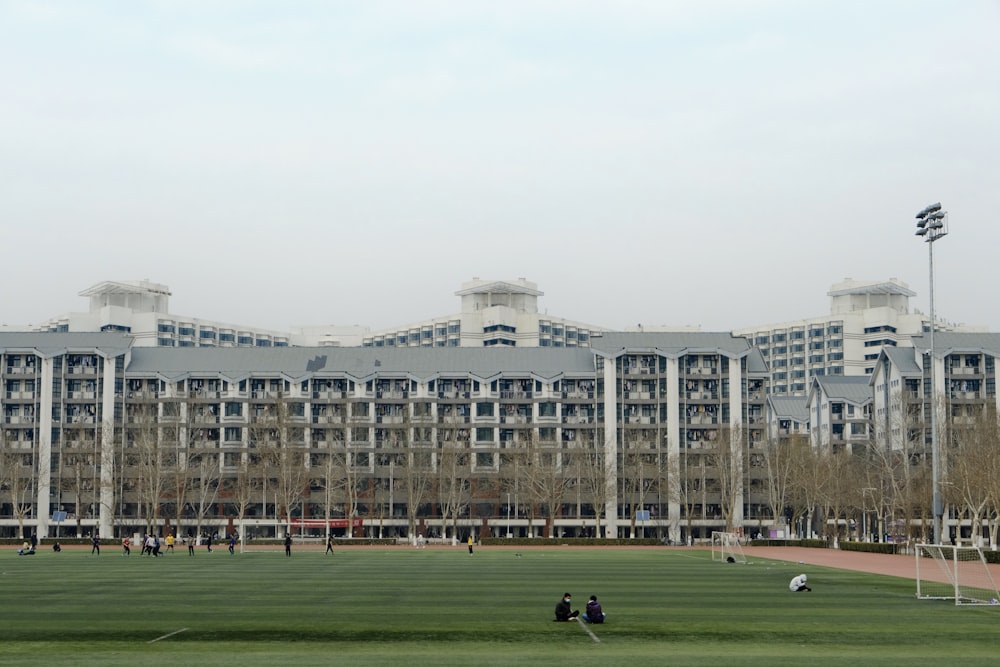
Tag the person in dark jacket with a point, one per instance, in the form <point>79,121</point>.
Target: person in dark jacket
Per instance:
<point>593,612</point>
<point>564,612</point>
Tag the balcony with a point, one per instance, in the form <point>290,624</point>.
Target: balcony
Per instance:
<point>78,419</point>
<point>520,419</point>
<point>81,395</point>
<point>391,393</point>
<point>587,395</point>
<point>520,395</point>
<point>328,419</point>
<point>23,395</point>
<point>578,419</point>
<point>20,419</point>
<point>390,419</point>
<point>454,419</point>
<point>329,395</point>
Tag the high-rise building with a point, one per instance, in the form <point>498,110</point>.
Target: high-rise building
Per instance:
<point>865,317</point>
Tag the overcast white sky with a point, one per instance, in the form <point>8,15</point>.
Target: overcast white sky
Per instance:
<point>706,162</point>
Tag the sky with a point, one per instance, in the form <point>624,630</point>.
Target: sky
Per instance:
<point>714,163</point>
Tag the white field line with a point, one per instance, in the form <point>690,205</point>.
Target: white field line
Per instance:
<point>170,634</point>
<point>587,630</point>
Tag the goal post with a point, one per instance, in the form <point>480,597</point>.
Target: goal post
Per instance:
<point>946,572</point>
<point>726,546</point>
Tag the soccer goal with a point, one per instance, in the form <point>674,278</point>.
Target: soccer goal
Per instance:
<point>967,578</point>
<point>726,546</point>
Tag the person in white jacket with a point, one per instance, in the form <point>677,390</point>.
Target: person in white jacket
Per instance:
<point>798,584</point>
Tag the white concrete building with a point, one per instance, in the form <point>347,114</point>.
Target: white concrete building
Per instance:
<point>864,318</point>
<point>141,309</point>
<point>493,312</point>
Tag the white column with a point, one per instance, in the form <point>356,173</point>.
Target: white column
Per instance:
<point>610,448</point>
<point>737,439</point>
<point>44,459</point>
<point>673,431</point>
<point>107,435</point>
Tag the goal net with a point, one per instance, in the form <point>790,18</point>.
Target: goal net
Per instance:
<point>726,546</point>
<point>956,573</point>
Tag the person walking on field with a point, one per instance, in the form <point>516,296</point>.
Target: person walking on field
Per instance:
<point>170,543</point>
<point>232,544</point>
<point>329,545</point>
<point>470,544</point>
<point>190,541</point>
<point>96,548</point>
<point>288,544</point>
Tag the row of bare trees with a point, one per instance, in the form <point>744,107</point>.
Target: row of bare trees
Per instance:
<point>172,469</point>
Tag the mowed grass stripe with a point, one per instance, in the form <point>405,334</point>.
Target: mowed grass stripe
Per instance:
<point>412,604</point>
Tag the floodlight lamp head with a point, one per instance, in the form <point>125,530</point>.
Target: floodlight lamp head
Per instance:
<point>922,231</point>
<point>933,208</point>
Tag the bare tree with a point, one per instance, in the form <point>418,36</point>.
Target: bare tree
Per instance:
<point>243,487</point>
<point>973,464</point>
<point>147,456</point>
<point>77,477</point>
<point>545,478</point>
<point>281,448</point>
<point>205,485</point>
<point>640,471</point>
<point>779,460</point>
<point>16,479</point>
<point>727,467</point>
<point>453,484</point>
<point>592,475</point>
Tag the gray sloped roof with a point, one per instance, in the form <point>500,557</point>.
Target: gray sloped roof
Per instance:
<point>948,342</point>
<point>49,344</point>
<point>790,407</point>
<point>853,389</point>
<point>361,362</point>
<point>904,359</point>
<point>670,343</point>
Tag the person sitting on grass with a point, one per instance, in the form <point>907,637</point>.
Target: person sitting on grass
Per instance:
<point>26,550</point>
<point>798,584</point>
<point>593,613</point>
<point>564,612</point>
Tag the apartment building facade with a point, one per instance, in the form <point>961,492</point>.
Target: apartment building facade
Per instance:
<point>638,434</point>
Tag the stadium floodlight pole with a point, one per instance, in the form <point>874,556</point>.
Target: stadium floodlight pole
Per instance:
<point>932,225</point>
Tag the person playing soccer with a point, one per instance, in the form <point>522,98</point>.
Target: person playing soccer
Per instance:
<point>564,612</point>
<point>126,546</point>
<point>798,584</point>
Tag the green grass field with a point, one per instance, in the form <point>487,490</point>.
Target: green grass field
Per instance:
<point>444,607</point>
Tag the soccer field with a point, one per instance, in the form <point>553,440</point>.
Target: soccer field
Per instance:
<point>443,607</point>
